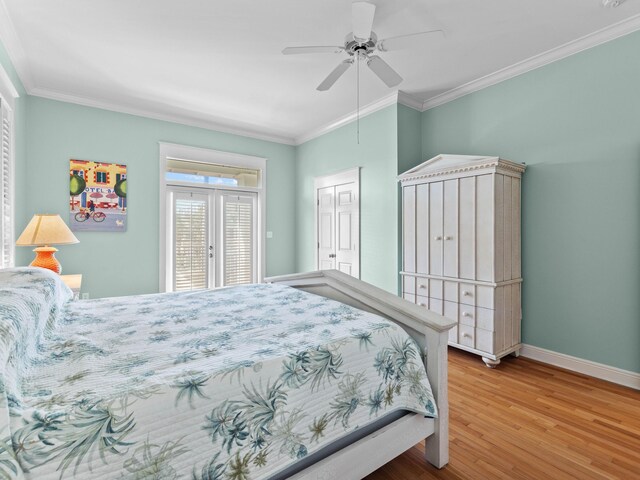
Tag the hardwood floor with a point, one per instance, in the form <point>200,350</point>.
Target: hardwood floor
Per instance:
<point>528,420</point>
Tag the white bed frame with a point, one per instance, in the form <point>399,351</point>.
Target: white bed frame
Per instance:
<point>430,332</point>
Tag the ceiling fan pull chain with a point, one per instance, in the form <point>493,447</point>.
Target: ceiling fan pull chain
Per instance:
<point>358,98</point>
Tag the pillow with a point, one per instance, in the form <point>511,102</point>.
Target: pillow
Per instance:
<point>31,300</point>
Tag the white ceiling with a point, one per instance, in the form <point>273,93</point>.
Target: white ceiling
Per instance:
<point>217,63</point>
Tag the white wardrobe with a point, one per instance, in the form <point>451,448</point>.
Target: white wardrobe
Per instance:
<point>461,248</point>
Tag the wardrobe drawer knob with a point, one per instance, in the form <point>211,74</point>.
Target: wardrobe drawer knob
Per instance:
<point>466,293</point>
<point>423,304</point>
<point>466,314</point>
<point>422,286</point>
<point>438,237</point>
<point>448,238</point>
<point>466,335</point>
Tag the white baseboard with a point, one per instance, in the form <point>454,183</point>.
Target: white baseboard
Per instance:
<point>586,367</point>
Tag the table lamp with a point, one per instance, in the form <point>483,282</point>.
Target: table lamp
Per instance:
<point>45,230</point>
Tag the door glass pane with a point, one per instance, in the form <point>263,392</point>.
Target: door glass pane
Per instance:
<point>238,249</point>
<point>190,242</point>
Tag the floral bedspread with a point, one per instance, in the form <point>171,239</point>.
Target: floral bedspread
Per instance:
<point>236,383</point>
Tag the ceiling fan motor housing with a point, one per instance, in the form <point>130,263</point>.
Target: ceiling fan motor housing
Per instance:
<point>356,46</point>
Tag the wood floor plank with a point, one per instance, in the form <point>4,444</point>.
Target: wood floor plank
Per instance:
<point>526,420</point>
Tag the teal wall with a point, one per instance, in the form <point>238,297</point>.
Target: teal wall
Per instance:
<point>576,123</point>
<point>127,263</point>
<point>377,155</point>
<point>20,153</point>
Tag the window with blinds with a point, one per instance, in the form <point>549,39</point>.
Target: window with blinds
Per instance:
<point>190,241</point>
<point>238,249</point>
<point>6,186</point>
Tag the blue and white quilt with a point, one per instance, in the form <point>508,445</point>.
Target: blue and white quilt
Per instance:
<point>237,383</point>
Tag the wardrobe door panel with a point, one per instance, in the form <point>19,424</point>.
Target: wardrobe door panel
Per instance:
<point>450,229</point>
<point>484,228</point>
<point>435,228</point>
<point>515,229</point>
<point>467,235</point>
<point>499,228</point>
<point>422,228</point>
<point>409,228</point>
<point>508,229</point>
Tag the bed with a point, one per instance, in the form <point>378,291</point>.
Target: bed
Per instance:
<point>306,376</point>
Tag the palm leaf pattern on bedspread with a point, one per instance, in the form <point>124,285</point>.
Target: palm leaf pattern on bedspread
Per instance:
<point>237,383</point>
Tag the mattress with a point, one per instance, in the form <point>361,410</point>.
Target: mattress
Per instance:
<point>236,383</point>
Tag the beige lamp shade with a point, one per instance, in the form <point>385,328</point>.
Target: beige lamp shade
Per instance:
<point>46,230</point>
<point>42,231</point>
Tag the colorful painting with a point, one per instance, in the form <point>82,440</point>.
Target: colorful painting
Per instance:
<point>97,196</point>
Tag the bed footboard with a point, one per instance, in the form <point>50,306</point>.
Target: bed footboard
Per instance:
<point>427,328</point>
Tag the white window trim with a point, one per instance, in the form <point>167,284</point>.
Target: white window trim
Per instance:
<point>205,155</point>
<point>8,94</point>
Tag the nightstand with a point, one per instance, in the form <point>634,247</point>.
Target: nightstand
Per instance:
<point>74,282</point>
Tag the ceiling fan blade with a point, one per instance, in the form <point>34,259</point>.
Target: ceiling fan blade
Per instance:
<point>382,69</point>
<point>405,41</point>
<point>314,49</point>
<point>337,72</point>
<point>362,14</point>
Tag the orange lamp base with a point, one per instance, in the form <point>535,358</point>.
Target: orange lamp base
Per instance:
<point>45,258</point>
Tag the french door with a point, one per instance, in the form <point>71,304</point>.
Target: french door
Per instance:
<point>211,237</point>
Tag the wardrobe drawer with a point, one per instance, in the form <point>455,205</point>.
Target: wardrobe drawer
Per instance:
<point>466,336</point>
<point>408,284</point>
<point>422,286</point>
<point>485,340</point>
<point>467,293</point>
<point>422,301</point>
<point>467,315</point>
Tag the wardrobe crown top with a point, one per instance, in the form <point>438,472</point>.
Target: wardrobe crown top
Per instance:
<point>445,164</point>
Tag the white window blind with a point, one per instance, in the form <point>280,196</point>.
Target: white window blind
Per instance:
<point>190,242</point>
<point>6,193</point>
<point>238,252</point>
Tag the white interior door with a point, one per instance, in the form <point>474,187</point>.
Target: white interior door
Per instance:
<point>338,222</point>
<point>346,226</point>
<point>326,228</point>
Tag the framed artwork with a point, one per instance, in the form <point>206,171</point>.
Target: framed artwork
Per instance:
<point>97,196</point>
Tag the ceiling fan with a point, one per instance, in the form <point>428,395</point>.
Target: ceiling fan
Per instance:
<point>363,44</point>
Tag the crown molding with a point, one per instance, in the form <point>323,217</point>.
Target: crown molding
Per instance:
<point>591,40</point>
<point>181,119</point>
<point>368,109</point>
<point>12,44</point>
<point>410,101</point>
